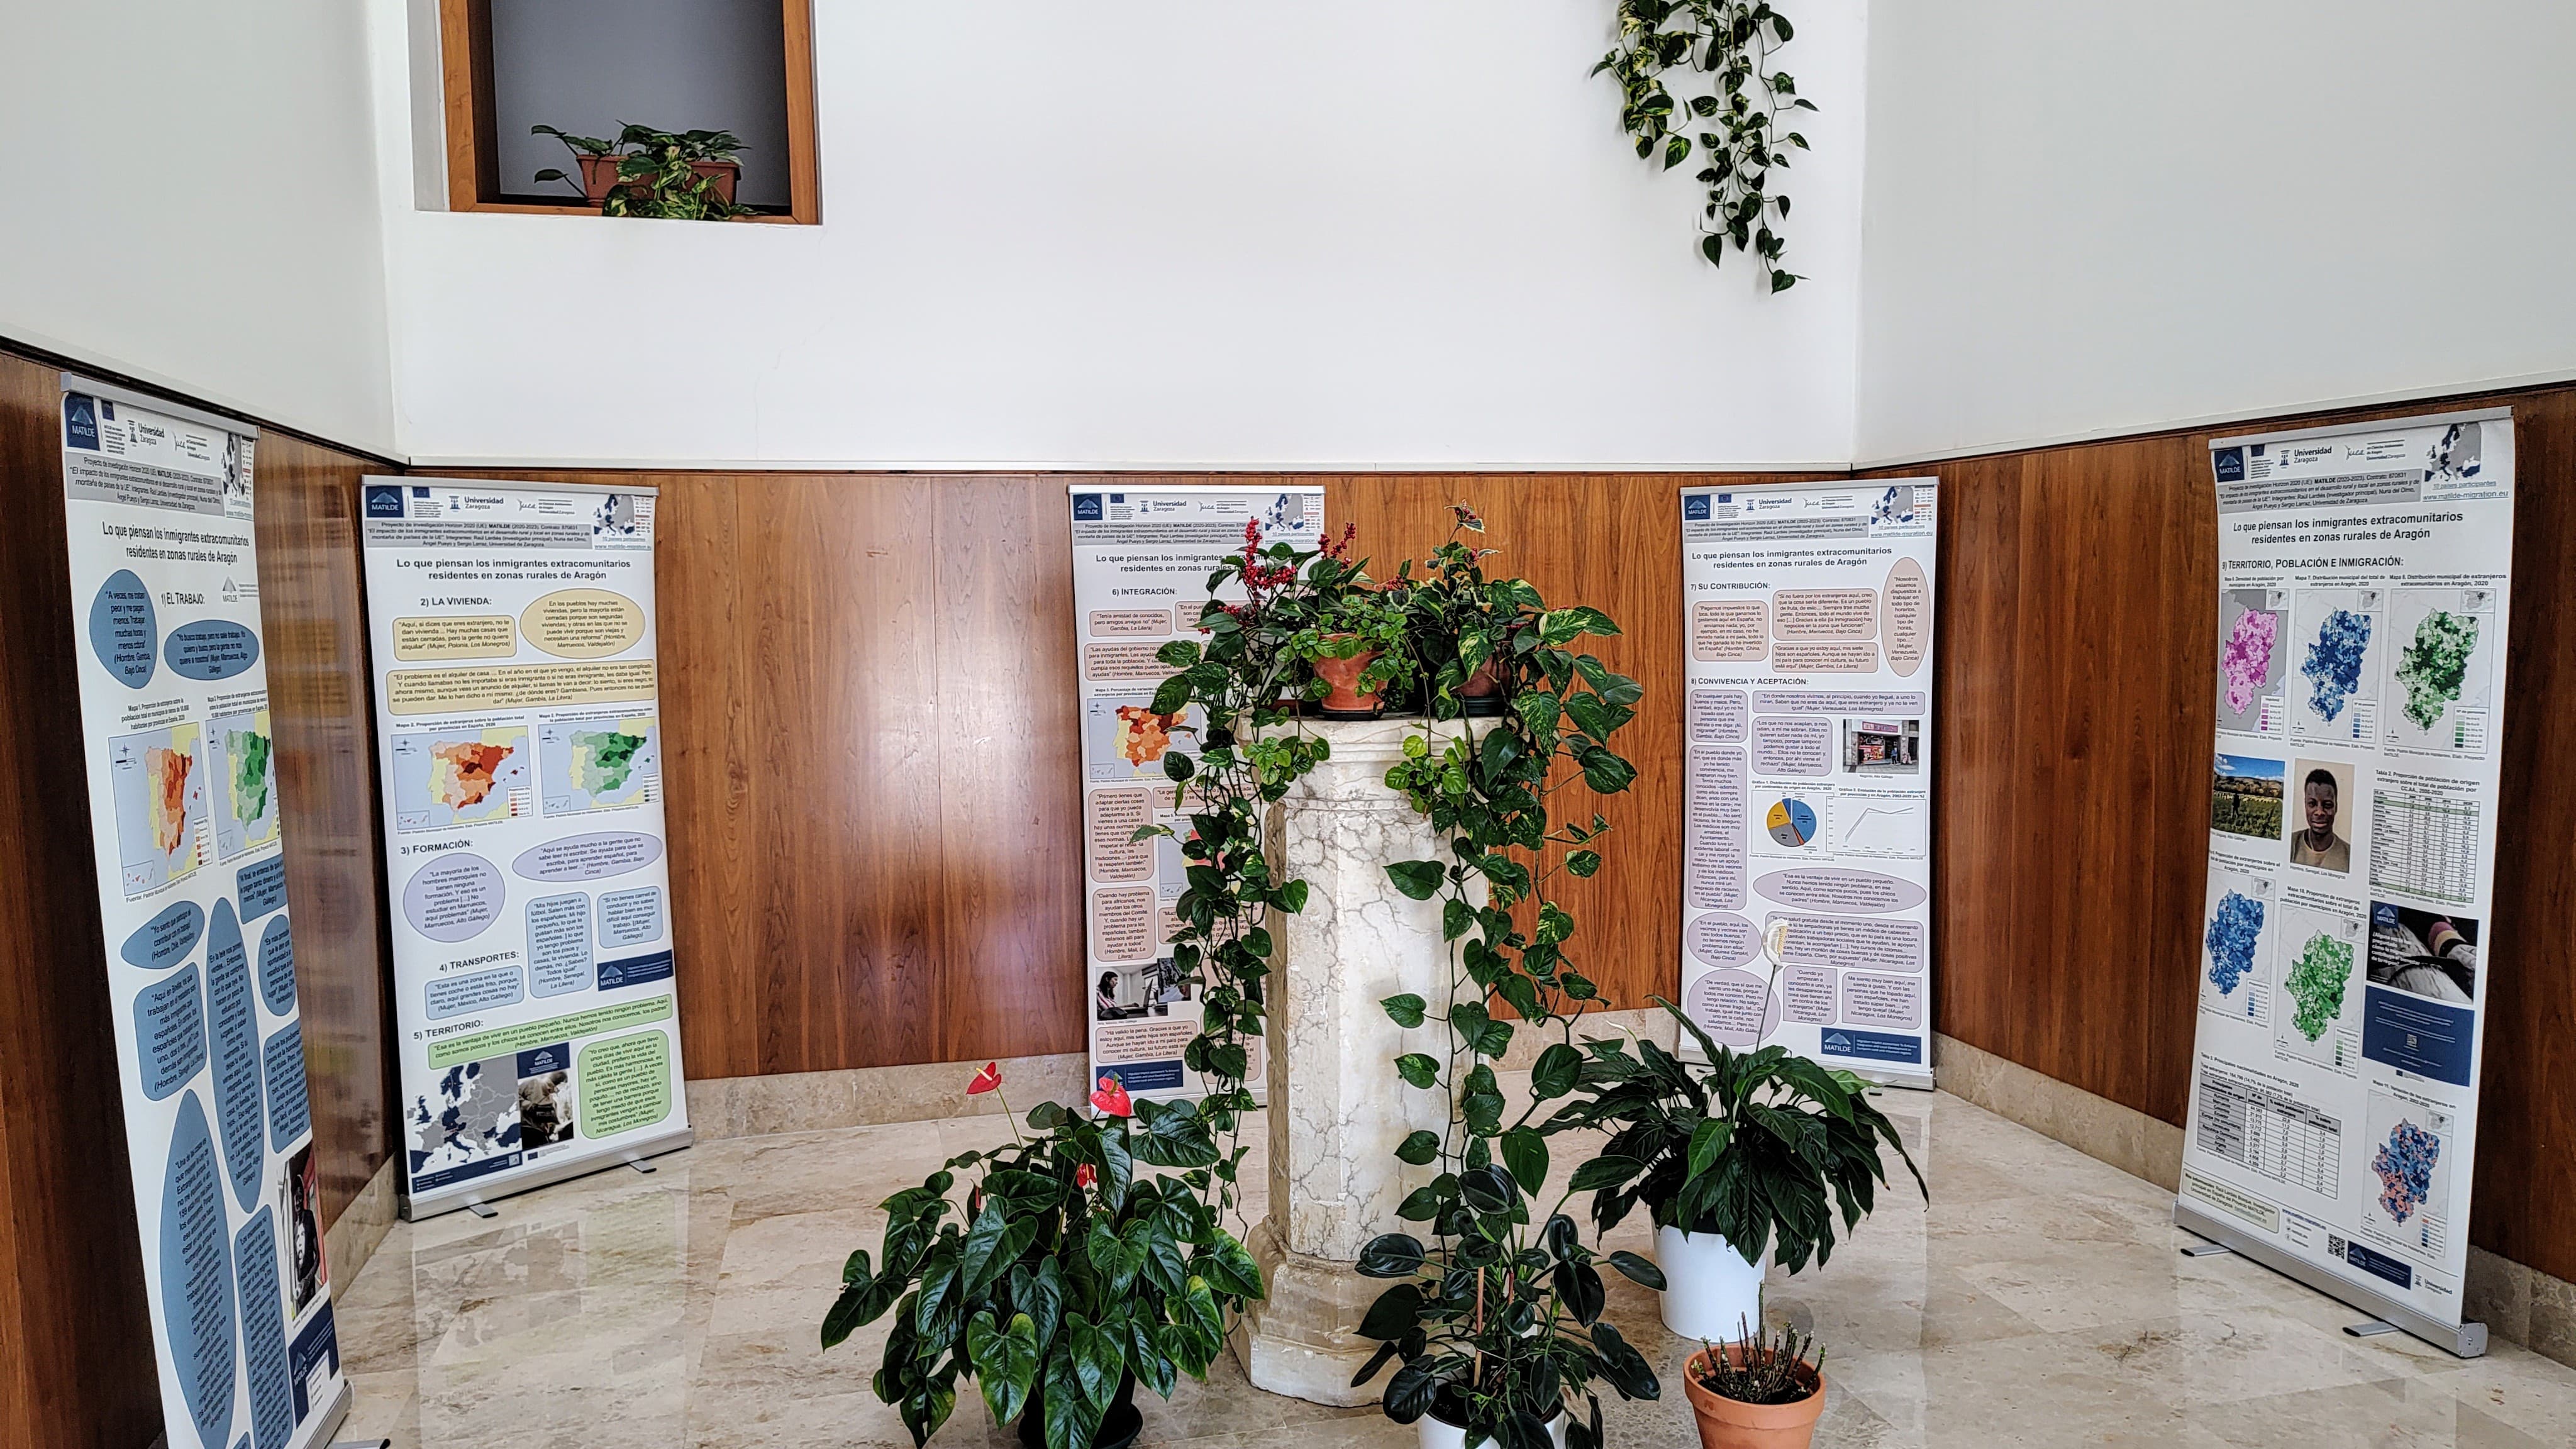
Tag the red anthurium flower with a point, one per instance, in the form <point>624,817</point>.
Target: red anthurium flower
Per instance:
<point>1112,1100</point>
<point>985,1080</point>
<point>1083,1175</point>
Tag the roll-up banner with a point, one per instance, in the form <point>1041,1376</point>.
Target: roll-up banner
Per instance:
<point>1808,616</point>
<point>182,770</point>
<point>519,740</point>
<point>2363,593</point>
<point>1141,560</point>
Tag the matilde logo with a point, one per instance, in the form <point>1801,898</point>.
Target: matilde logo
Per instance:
<point>2230,463</point>
<point>1086,508</point>
<point>80,421</point>
<point>1694,505</point>
<point>384,501</point>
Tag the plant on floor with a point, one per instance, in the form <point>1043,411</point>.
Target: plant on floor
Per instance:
<point>1761,1148</point>
<point>1738,122</point>
<point>1241,686</point>
<point>662,174</point>
<point>1070,1277</point>
<point>1758,1391</point>
<point>1497,1321</point>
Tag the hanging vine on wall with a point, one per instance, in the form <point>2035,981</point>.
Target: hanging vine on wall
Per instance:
<point>1737,124</point>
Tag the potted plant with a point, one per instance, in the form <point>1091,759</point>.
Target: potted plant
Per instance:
<point>1757,1392</point>
<point>1359,647</point>
<point>1499,1327</point>
<point>684,175</point>
<point>1753,1153</point>
<point>1069,1279</point>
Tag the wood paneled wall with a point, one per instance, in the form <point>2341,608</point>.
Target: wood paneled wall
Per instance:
<point>2079,640</point>
<point>75,1344</point>
<point>874,781</point>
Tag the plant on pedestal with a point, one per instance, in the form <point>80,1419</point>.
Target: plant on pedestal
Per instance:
<point>1069,1278</point>
<point>1497,1320</point>
<point>1240,687</point>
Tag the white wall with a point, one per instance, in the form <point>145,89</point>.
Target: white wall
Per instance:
<point>192,200</point>
<point>1159,233</point>
<point>2086,218</point>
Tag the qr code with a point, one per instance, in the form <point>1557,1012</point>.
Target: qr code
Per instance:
<point>2334,1244</point>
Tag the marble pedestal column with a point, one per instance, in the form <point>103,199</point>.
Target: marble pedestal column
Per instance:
<point>1337,1108</point>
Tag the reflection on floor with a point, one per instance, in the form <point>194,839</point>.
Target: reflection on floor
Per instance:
<point>2039,1300</point>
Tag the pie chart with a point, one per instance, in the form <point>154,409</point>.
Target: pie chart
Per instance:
<point>1791,822</point>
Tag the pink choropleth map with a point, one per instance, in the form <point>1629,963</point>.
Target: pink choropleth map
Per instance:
<point>2247,656</point>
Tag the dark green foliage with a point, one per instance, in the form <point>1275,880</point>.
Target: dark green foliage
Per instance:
<point>1066,1272</point>
<point>1763,1148</point>
<point>1495,1323</point>
<point>657,172</point>
<point>1737,123</point>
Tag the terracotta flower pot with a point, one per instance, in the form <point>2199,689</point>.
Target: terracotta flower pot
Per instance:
<point>1482,695</point>
<point>1346,700</point>
<point>1727,1424</point>
<point>599,173</point>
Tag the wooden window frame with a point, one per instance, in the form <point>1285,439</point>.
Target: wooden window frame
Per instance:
<point>473,150</point>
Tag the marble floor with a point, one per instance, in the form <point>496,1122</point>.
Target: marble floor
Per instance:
<point>2038,1300</point>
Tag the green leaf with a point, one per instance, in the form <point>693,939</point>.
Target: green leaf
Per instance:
<point>1525,1153</point>
<point>1172,695</point>
<point>1405,1010</point>
<point>1605,772</point>
<point>1605,1171</point>
<point>1419,1148</point>
<point>1707,1141</point>
<point>1097,1361</point>
<point>1419,879</point>
<point>1556,1072</point>
<point>1071,1418</point>
<point>1418,1069</point>
<point>1583,862</point>
<point>1391,1255</point>
<point>1456,916</point>
<point>1394,1313</point>
<point>1676,151</point>
<point>1177,766</point>
<point>1638,1269</point>
<point>1006,1362</point>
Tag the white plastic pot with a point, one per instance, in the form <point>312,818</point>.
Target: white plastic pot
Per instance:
<point>1710,1292</point>
<point>1437,1435</point>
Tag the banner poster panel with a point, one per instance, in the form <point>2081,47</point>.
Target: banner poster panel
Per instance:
<point>1141,560</point>
<point>2362,604</point>
<point>182,768</point>
<point>1808,802</point>
<point>519,738</point>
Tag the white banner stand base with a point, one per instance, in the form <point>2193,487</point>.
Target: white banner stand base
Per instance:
<point>470,1195</point>
<point>2468,1340</point>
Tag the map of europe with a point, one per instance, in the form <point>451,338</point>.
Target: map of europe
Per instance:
<point>473,1116</point>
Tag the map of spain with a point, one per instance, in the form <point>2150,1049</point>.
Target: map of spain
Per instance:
<point>241,764</point>
<point>464,773</point>
<point>595,764</point>
<point>450,777</point>
<point>160,783</point>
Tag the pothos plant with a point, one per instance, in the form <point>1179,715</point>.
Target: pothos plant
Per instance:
<point>1069,1277</point>
<point>1497,1319</point>
<point>1240,687</point>
<point>1738,121</point>
<point>657,173</point>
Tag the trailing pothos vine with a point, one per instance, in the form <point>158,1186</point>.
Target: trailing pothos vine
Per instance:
<point>1737,122</point>
<point>1243,684</point>
<point>1497,1321</point>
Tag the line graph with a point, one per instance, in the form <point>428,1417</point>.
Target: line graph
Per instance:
<point>1879,828</point>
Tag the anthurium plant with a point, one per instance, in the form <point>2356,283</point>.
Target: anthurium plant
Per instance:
<point>1496,1321</point>
<point>1764,1148</point>
<point>1071,1275</point>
